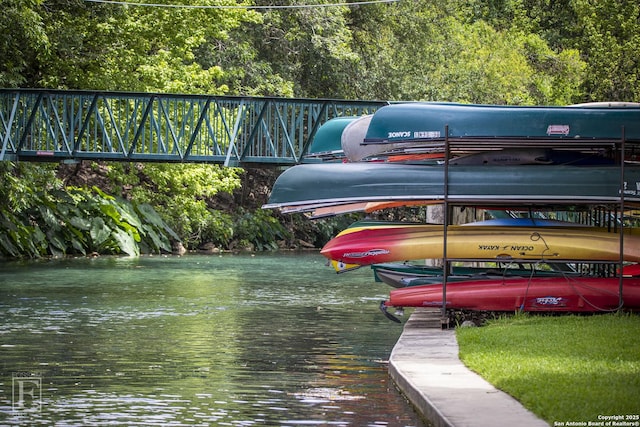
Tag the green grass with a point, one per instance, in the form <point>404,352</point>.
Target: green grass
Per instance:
<point>562,368</point>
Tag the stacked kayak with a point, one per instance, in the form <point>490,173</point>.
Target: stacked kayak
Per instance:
<point>312,186</point>
<point>556,244</point>
<point>498,157</point>
<point>562,294</point>
<point>416,128</point>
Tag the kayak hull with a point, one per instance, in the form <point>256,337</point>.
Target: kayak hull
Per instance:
<point>582,294</point>
<point>366,246</point>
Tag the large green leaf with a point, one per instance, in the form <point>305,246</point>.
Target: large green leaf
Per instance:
<point>57,242</point>
<point>151,216</point>
<point>82,223</point>
<point>115,213</point>
<point>99,231</point>
<point>8,246</point>
<point>126,242</point>
<point>110,211</point>
<point>37,235</point>
<point>77,245</point>
<point>160,242</point>
<point>49,217</point>
<point>102,194</point>
<point>128,214</point>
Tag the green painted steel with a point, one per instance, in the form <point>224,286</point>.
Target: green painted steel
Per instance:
<point>55,125</point>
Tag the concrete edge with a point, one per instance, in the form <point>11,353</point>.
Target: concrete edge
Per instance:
<point>421,402</point>
<point>425,366</point>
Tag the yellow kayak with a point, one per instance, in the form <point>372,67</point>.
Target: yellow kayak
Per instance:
<point>379,243</point>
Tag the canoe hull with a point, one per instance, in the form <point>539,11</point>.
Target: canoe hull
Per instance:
<point>424,122</point>
<point>585,294</point>
<point>404,275</point>
<point>329,184</point>
<point>326,142</point>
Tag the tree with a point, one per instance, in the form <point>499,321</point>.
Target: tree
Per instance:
<point>610,43</point>
<point>604,33</point>
<point>146,49</point>
<point>309,46</point>
<point>23,42</point>
<point>441,51</point>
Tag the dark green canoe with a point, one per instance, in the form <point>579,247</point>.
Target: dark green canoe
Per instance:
<point>338,183</point>
<point>403,275</point>
<point>424,122</point>
<point>326,143</point>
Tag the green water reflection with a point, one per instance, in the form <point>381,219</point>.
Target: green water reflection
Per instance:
<point>196,340</point>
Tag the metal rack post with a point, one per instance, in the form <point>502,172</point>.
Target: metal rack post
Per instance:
<point>444,320</point>
<point>622,182</point>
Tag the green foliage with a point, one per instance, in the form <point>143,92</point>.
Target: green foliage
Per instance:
<point>217,228</point>
<point>610,41</point>
<point>504,52</point>
<point>179,192</point>
<point>603,33</point>
<point>23,41</point>
<point>446,51</point>
<point>259,229</point>
<point>39,218</point>
<point>562,367</point>
<point>310,47</point>
<point>110,47</point>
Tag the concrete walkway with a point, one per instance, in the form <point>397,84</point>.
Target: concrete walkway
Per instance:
<point>425,366</point>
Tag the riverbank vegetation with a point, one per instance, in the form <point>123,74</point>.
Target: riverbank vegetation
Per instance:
<point>50,210</point>
<point>509,52</point>
<point>562,368</point>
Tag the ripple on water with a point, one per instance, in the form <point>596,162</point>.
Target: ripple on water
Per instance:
<point>264,340</point>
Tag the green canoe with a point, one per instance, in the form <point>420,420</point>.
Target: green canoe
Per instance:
<point>426,122</point>
<point>326,143</point>
<point>329,184</point>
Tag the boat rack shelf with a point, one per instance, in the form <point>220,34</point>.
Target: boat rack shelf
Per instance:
<point>484,144</point>
<point>618,149</point>
<point>530,261</point>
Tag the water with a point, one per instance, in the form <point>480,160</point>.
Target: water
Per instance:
<point>234,340</point>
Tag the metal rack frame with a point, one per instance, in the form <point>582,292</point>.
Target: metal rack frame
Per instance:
<point>451,146</point>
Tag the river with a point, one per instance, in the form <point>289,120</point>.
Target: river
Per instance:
<point>229,340</point>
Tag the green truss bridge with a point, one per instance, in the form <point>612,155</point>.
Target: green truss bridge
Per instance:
<point>60,125</point>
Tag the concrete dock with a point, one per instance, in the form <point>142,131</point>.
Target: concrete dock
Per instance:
<point>425,366</point>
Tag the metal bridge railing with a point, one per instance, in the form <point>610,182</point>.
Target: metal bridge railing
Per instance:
<point>54,125</point>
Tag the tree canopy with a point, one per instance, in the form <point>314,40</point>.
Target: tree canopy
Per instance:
<point>484,51</point>
<point>518,52</point>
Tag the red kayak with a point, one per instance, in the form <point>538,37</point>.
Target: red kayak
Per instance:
<point>559,294</point>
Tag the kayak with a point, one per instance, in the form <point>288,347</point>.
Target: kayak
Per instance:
<point>560,294</point>
<point>354,149</point>
<point>375,245</point>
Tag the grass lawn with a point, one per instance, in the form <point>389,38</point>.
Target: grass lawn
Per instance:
<point>565,369</point>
